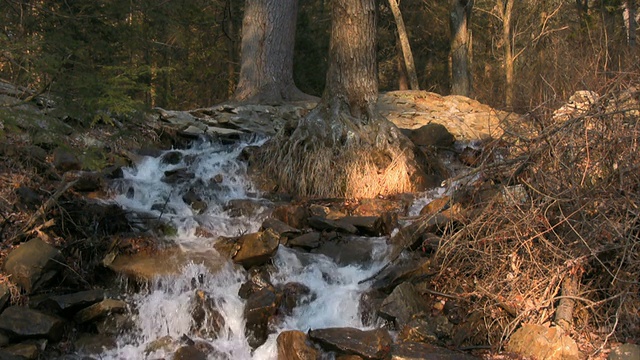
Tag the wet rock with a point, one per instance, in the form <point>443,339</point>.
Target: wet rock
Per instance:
<point>100,310</point>
<point>370,302</point>
<point>387,222</point>
<point>412,265</point>
<point>189,352</point>
<point>26,350</point>
<point>259,279</point>
<point>541,342</point>
<point>95,344</point>
<point>72,302</point>
<point>324,224</point>
<point>347,250</point>
<point>403,303</point>
<point>435,206</point>
<point>196,203</point>
<point>171,157</point>
<point>306,241</point>
<point>426,329</point>
<point>5,355</point>
<point>414,350</point>
<point>32,264</point>
<point>207,320</point>
<point>625,352</point>
<point>294,345</point>
<point>177,175</point>
<point>243,207</point>
<point>64,160</point>
<point>279,227</point>
<point>115,324</point>
<point>23,322</point>
<point>376,207</point>
<point>258,311</point>
<point>435,135</point>
<point>349,357</point>
<point>164,343</point>
<point>257,248</point>
<point>86,181</point>
<point>412,235</point>
<point>366,225</point>
<point>294,215</point>
<point>293,295</point>
<point>371,344</point>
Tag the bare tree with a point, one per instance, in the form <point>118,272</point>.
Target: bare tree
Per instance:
<point>505,12</point>
<point>460,25</point>
<point>404,44</point>
<point>344,147</point>
<point>268,37</point>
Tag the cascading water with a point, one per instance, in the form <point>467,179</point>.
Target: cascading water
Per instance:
<point>212,173</point>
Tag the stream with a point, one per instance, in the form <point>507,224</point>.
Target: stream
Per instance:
<point>191,189</point>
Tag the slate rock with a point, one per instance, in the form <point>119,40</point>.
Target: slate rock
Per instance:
<point>100,310</point>
<point>416,350</point>
<point>366,225</point>
<point>294,294</point>
<point>280,227</point>
<point>23,322</point>
<point>426,329</point>
<point>259,279</point>
<point>72,302</point>
<point>31,264</point>
<point>294,345</point>
<point>207,320</point>
<point>324,224</point>
<point>6,355</point>
<point>258,311</point>
<point>306,241</point>
<point>347,250</point>
<point>95,344</point>
<point>403,303</point>
<point>371,344</point>
<point>171,157</point>
<point>257,248</point>
<point>26,350</point>
<point>294,215</point>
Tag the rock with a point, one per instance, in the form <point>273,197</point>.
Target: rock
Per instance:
<point>366,225</point>
<point>294,215</point>
<point>100,310</point>
<point>387,222</point>
<point>257,248</point>
<point>306,241</point>
<point>258,310</point>
<point>243,207</point>
<point>28,198</point>
<point>5,355</point>
<point>370,344</point>
<point>26,350</point>
<point>86,181</point>
<point>189,352</point>
<point>194,201</point>
<point>259,279</point>
<point>22,322</point>
<point>543,343</point>
<point>171,157</point>
<point>94,344</point>
<point>427,329</point>
<point>414,350</point>
<point>207,320</point>
<point>376,207</point>
<point>294,345</point>
<point>64,160</point>
<point>115,324</point>
<point>435,135</point>
<point>177,175</point>
<point>164,343</point>
<point>369,304</point>
<point>403,303</point>
<point>5,294</point>
<point>324,224</point>
<point>435,206</point>
<point>625,352</point>
<point>280,227</point>
<point>31,264</point>
<point>415,265</point>
<point>72,302</point>
<point>293,295</point>
<point>347,250</point>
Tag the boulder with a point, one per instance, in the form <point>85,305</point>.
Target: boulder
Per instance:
<point>306,241</point>
<point>543,343</point>
<point>25,350</point>
<point>346,250</point>
<point>6,355</point>
<point>207,320</point>
<point>258,311</point>
<point>72,302</point>
<point>427,329</point>
<point>294,215</point>
<point>64,160</point>
<point>280,227</point>
<point>86,181</point>
<point>259,279</point>
<point>370,344</point>
<point>625,352</point>
<point>403,303</point>
<point>31,264</point>
<point>171,157</point>
<point>366,225</point>
<point>414,350</point>
<point>434,135</point>
<point>324,224</point>
<point>414,265</point>
<point>94,344</point>
<point>100,310</point>
<point>294,345</point>
<point>23,322</point>
<point>294,294</point>
<point>243,207</point>
<point>189,352</point>
<point>256,248</point>
<point>5,294</point>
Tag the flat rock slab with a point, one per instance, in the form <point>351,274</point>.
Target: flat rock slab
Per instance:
<point>294,345</point>
<point>32,263</point>
<point>257,248</point>
<point>100,310</point>
<point>74,301</point>
<point>370,344</point>
<point>260,307</point>
<point>403,303</point>
<point>23,322</point>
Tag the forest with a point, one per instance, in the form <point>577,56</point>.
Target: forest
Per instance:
<point>489,147</point>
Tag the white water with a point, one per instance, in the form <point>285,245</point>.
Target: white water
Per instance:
<point>164,308</point>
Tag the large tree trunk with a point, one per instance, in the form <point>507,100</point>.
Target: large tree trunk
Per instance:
<point>268,37</point>
<point>460,25</point>
<point>506,10</point>
<point>404,43</point>
<point>344,147</point>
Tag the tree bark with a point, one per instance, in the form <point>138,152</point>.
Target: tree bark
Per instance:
<point>460,26</point>
<point>505,8</point>
<point>630,22</point>
<point>268,37</point>
<point>404,43</point>
<point>344,147</point>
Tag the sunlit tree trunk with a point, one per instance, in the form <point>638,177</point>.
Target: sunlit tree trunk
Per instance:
<point>630,24</point>
<point>460,26</point>
<point>505,9</point>
<point>404,43</point>
<point>232,47</point>
<point>268,37</point>
<point>344,147</point>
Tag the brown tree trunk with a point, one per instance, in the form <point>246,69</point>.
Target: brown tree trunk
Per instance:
<point>404,43</point>
<point>232,47</point>
<point>460,26</point>
<point>268,37</point>
<point>506,10</point>
<point>630,22</point>
<point>344,147</point>
<point>403,79</point>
